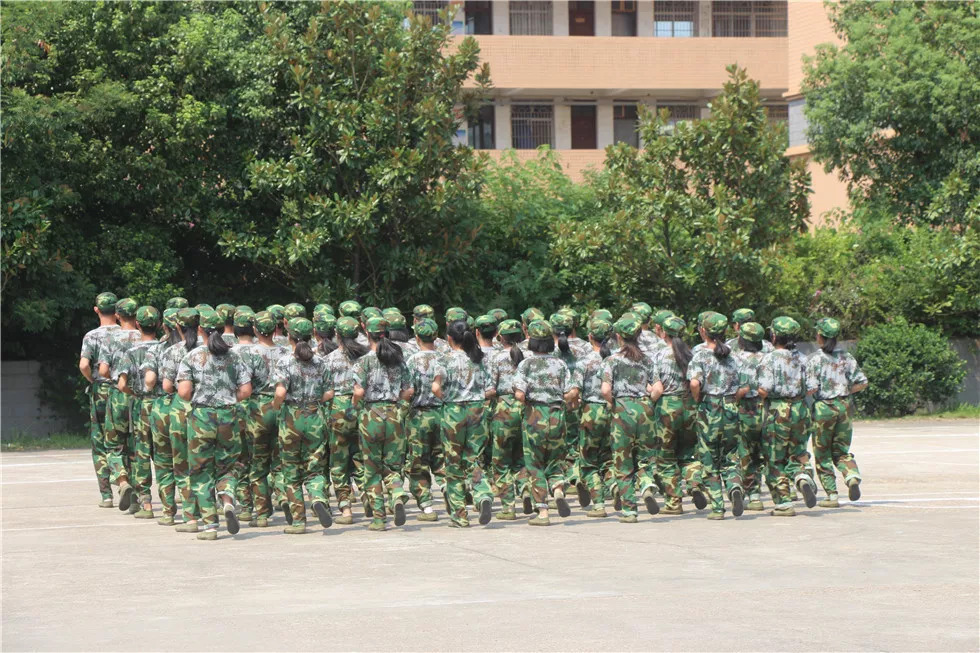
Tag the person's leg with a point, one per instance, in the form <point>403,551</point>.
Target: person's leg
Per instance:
<point>98,398</point>
<point>504,435</point>
<point>554,447</point>
<point>734,457</point>
<point>116,437</point>
<point>750,431</point>
<point>262,424</point>
<point>568,449</point>
<point>453,445</point>
<point>824,423</point>
<point>142,452</point>
<point>163,458</point>
<point>710,435</point>
<point>534,433</point>
<point>243,490</point>
<point>841,449</point>
<point>314,454</point>
<point>622,429</point>
<point>668,420</point>
<point>393,457</point>
<point>476,444</point>
<point>292,464</point>
<point>372,432</point>
<point>202,428</point>
<point>780,467</point>
<point>228,467</point>
<point>416,459</point>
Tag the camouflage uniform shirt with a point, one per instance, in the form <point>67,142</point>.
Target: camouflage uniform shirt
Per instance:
<point>780,374</point>
<point>501,371</point>
<point>380,383</point>
<point>135,362</point>
<point>338,373</point>
<point>216,378</point>
<point>734,346</point>
<point>303,380</point>
<point>116,345</point>
<point>832,375</point>
<point>666,370</point>
<point>718,376</point>
<point>543,378</point>
<point>748,365</point>
<point>650,344</point>
<point>590,372</point>
<point>261,362</point>
<point>423,368</point>
<point>627,378</point>
<point>93,343</point>
<point>168,361</point>
<point>463,380</point>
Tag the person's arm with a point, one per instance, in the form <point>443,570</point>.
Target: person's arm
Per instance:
<point>328,395</point>
<point>763,392</point>
<point>104,370</point>
<point>606,391</point>
<point>696,390</point>
<point>280,397</point>
<point>741,392</point>
<point>150,379</point>
<point>858,387</point>
<point>244,391</point>
<point>437,386</point>
<point>519,395</point>
<point>185,390</point>
<point>168,386</point>
<point>406,394</point>
<point>85,367</point>
<point>358,394</point>
<point>121,384</point>
<point>656,390</point>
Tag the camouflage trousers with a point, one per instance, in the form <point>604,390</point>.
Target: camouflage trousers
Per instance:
<point>163,454</point>
<point>382,443</point>
<point>180,411</point>
<point>345,457</point>
<point>720,449</point>
<point>464,439</point>
<point>117,434</point>
<point>687,450</point>
<point>832,442</point>
<point>570,463</point>
<point>141,448</point>
<point>98,397</point>
<point>426,457</point>
<point>750,422</point>
<point>543,436</point>
<point>785,426</point>
<point>668,424</point>
<point>214,452</point>
<point>631,440</point>
<point>262,428</point>
<point>595,451</point>
<point>303,450</point>
<point>507,455</point>
<point>244,490</point>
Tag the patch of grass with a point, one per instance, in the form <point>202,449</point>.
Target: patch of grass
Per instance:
<point>25,442</point>
<point>962,411</point>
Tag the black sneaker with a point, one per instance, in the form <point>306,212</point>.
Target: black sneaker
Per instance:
<point>231,520</point>
<point>469,499</point>
<point>125,498</point>
<point>287,512</point>
<point>485,513</point>
<point>323,514</point>
<point>618,504</point>
<point>738,505</point>
<point>368,510</point>
<point>699,501</point>
<point>528,506</point>
<point>651,502</point>
<point>399,513</point>
<point>809,498</point>
<point>854,491</point>
<point>563,508</point>
<point>584,498</point>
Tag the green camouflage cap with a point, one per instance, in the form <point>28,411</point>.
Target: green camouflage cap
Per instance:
<point>828,327</point>
<point>485,324</point>
<point>278,311</point>
<point>752,331</point>
<point>455,313</point>
<point>785,326</point>
<point>126,307</point>
<point>226,311</point>
<point>715,324</point>
<point>391,309</point>
<point>426,329</point>
<point>369,312</point>
<point>294,309</point>
<point>539,329</point>
<point>244,308</point>
<point>299,328</point>
<point>147,316</point>
<point>570,312</point>
<point>188,317</point>
<point>204,307</point>
<point>376,325</point>
<point>321,308</point>
<point>661,316</point>
<point>469,322</point>
<point>211,320</point>
<point>395,320</point>
<point>265,322</point>
<point>498,314</point>
<point>423,310</point>
<point>170,317</point>
<point>673,326</point>
<point>350,308</point>
<point>106,302</point>
<point>177,302</point>
<point>530,315</point>
<point>561,323</point>
<point>244,319</point>
<point>324,322</point>
<point>743,315</point>
<point>702,315</point>
<point>600,329</point>
<point>642,310</point>
<point>509,328</point>
<point>628,326</point>
<point>602,314</point>
<point>347,326</point>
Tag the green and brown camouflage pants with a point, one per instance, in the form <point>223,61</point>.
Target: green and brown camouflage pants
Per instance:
<point>571,465</point>
<point>244,490</point>
<point>543,435</point>
<point>98,397</point>
<point>667,426</point>
<point>163,454</point>
<point>832,433</point>
<point>595,450</point>
<point>426,457</point>
<point>382,443</point>
<point>345,459</point>
<point>507,457</point>
<point>214,453</point>
<point>750,423</point>
<point>720,449</point>
<point>687,450</point>
<point>262,426</point>
<point>180,411</point>
<point>631,440</point>
<point>785,426</point>
<point>303,451</point>
<point>117,434</point>
<point>464,439</point>
<point>141,448</point>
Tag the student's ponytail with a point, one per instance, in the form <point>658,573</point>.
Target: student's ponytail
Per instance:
<point>216,344</point>
<point>327,343</point>
<point>303,351</point>
<point>465,338</point>
<point>682,353</point>
<point>190,336</point>
<point>722,350</point>
<point>352,348</point>
<point>516,354</point>
<point>562,341</point>
<point>389,354</point>
<point>829,345</point>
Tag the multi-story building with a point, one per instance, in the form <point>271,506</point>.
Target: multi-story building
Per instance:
<point>572,74</point>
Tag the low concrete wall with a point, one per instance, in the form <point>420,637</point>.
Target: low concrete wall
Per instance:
<point>21,411</point>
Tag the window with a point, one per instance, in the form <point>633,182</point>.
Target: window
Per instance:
<point>430,8</point>
<point>624,18</point>
<point>777,112</point>
<point>532,125</point>
<point>479,17</point>
<point>680,113</point>
<point>583,127</point>
<point>624,124</point>
<point>529,17</point>
<point>480,130</point>
<point>675,18</point>
<point>581,18</point>
<point>744,19</point>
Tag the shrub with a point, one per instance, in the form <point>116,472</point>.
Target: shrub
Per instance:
<point>907,366</point>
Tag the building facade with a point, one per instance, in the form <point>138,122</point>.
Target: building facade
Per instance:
<point>572,74</point>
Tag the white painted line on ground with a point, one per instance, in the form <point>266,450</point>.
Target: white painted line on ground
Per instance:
<point>57,528</point>
<point>71,462</point>
<point>902,453</point>
<point>941,436</point>
<point>60,480</point>
<point>924,500</point>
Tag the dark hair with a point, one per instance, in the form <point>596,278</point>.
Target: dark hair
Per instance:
<point>789,342</point>
<point>562,341</point>
<point>244,331</point>
<point>488,331</point>
<point>516,354</point>
<point>190,337</point>
<point>216,344</point>
<point>398,335</point>
<point>463,337</point>
<point>829,344</point>
<point>541,345</point>
<point>173,335</point>
<point>303,350</point>
<point>632,351</point>
<point>327,343</point>
<point>722,351</point>
<point>352,348</point>
<point>749,345</point>
<point>682,354</point>
<point>389,354</point>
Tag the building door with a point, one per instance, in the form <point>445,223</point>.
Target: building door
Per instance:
<point>581,18</point>
<point>583,127</point>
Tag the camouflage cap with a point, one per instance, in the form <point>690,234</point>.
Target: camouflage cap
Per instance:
<point>324,322</point>
<point>390,309</point>
<point>177,302</point>
<point>211,319</point>
<point>600,329</point>
<point>642,310</point>
<point>661,316</point>
<point>147,316</point>
<point>743,315</point>
<point>498,314</point>
<point>321,308</point>
<point>628,326</point>
<point>347,326</point>
<point>244,319</point>
<point>395,321</point>
<point>426,329</point>
<point>226,311</point>
<point>299,328</point>
<point>106,302</point>
<point>539,329</point>
<point>423,310</point>
<point>530,315</point>
<point>785,326</point>
<point>170,317</point>
<point>205,307</point>
<point>509,328</point>
<point>485,324</point>
<point>455,313</point>
<point>243,308</point>
<point>752,331</point>
<point>702,315</point>
<point>828,327</point>
<point>673,326</point>
<point>294,309</point>
<point>715,324</point>
<point>369,312</point>
<point>571,313</point>
<point>376,325</point>
<point>469,322</point>
<point>126,307</point>
<point>188,317</point>
<point>278,311</point>
<point>265,322</point>
<point>350,308</point>
<point>561,323</point>
<point>602,314</point>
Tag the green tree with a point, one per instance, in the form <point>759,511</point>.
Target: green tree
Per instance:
<point>895,109</point>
